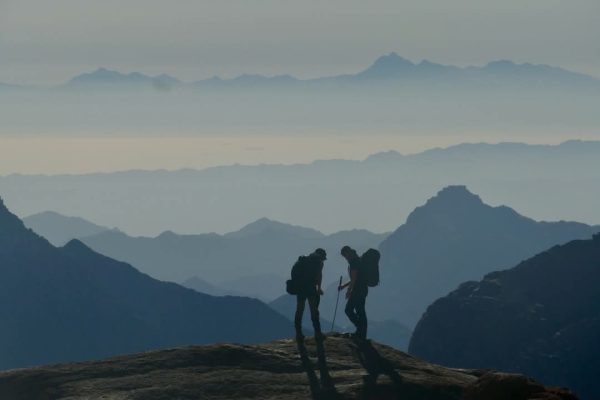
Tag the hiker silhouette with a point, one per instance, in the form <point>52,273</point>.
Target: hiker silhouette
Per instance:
<point>307,275</point>
<point>356,293</point>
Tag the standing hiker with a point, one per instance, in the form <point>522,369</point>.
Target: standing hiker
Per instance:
<point>356,293</point>
<point>307,274</point>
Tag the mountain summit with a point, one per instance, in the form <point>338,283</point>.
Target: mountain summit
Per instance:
<point>455,237</point>
<point>388,66</point>
<point>265,226</point>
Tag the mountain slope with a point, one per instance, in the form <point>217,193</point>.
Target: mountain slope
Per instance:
<point>268,371</point>
<point>541,317</point>
<point>60,229</point>
<point>70,303</point>
<point>451,239</point>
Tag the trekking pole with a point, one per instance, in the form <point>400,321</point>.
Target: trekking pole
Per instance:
<point>336,304</point>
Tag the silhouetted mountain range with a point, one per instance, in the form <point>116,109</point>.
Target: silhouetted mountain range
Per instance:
<point>451,239</point>
<point>70,303</point>
<point>113,79</point>
<point>254,261</point>
<point>390,67</point>
<point>392,96</point>
<point>377,193</point>
<point>541,317</point>
<point>60,229</point>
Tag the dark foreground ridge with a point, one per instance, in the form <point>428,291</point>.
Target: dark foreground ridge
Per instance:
<point>277,370</point>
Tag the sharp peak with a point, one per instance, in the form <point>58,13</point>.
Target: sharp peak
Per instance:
<point>393,57</point>
<point>76,244</point>
<point>456,191</point>
<point>453,196</point>
<point>266,221</point>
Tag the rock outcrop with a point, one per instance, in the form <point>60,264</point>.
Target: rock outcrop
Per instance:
<point>281,370</point>
<point>540,318</point>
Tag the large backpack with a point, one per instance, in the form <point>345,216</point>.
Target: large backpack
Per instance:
<point>370,266</point>
<point>300,276</point>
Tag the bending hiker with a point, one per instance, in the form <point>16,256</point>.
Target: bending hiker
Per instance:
<point>307,275</point>
<point>356,293</point>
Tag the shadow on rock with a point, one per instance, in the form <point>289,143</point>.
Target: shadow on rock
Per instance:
<point>376,365</point>
<point>325,390</point>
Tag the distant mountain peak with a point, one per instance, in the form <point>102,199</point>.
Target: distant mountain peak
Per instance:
<point>456,193</point>
<point>78,246</point>
<point>392,59</point>
<point>453,202</point>
<point>107,76</point>
<point>263,225</point>
<point>388,65</point>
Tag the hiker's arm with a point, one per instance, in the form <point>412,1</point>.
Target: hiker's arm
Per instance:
<point>320,281</point>
<point>353,277</point>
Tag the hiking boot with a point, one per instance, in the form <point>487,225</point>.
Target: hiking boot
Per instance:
<point>327,383</point>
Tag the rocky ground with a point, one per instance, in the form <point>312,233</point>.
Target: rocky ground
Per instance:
<point>278,370</point>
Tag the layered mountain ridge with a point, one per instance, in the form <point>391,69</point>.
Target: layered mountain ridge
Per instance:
<point>388,67</point>
<point>254,260</point>
<point>377,193</point>
<point>70,303</point>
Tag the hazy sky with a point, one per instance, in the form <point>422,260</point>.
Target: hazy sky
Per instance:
<point>48,41</point>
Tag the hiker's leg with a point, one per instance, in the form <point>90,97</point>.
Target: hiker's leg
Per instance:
<point>361,314</point>
<point>313,303</point>
<point>300,302</point>
<point>350,311</point>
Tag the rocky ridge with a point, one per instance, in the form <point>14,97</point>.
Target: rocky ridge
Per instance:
<point>278,370</point>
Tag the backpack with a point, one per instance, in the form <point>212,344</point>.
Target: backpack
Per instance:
<point>301,272</point>
<point>370,266</point>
